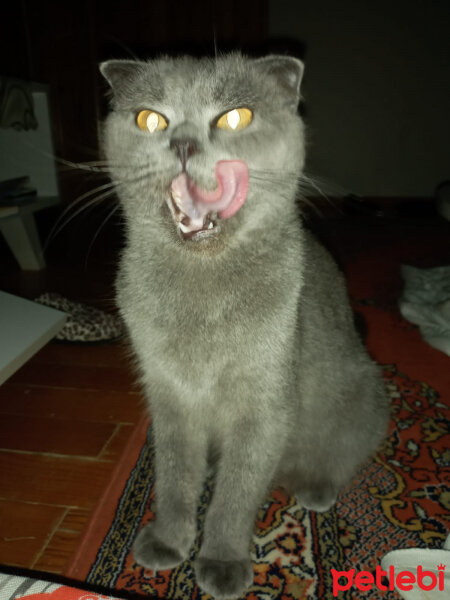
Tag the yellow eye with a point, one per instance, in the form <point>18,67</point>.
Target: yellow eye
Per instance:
<point>235,119</point>
<point>150,120</point>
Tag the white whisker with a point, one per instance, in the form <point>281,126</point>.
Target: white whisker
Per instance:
<point>102,224</point>
<point>59,226</point>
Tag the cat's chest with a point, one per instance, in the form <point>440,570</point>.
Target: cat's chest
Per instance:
<point>199,321</point>
<point>187,341</point>
<point>189,317</point>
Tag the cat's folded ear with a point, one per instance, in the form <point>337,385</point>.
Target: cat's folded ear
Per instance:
<point>288,72</point>
<point>118,72</point>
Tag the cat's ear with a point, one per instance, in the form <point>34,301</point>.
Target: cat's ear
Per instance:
<point>288,71</point>
<point>118,72</point>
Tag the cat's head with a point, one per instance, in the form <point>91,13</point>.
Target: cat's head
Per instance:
<point>201,148</point>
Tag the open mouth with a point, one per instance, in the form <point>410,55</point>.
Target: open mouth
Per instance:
<point>189,227</point>
<point>197,212</point>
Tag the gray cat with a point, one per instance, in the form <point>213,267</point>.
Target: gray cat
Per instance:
<point>239,319</point>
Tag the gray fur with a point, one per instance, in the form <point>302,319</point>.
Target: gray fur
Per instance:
<point>244,340</point>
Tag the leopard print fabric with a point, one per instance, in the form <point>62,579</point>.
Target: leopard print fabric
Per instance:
<point>85,324</point>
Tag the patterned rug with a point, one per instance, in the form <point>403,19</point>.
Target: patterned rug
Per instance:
<point>398,499</point>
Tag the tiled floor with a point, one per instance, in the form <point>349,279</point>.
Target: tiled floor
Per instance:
<point>65,418</point>
<point>66,415</point>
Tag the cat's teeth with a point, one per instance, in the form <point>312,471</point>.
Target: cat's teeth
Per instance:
<point>183,227</point>
<point>211,225</point>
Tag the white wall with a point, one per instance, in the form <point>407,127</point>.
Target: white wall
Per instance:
<point>377,91</point>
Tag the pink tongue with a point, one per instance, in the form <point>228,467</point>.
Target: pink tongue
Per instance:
<point>226,199</point>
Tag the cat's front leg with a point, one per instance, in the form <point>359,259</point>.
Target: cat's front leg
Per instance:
<point>223,567</point>
<point>180,465</point>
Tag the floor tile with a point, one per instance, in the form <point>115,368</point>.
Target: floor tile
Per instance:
<point>117,443</point>
<point>25,529</point>
<point>85,377</point>
<point>102,355</point>
<point>88,405</point>
<point>58,552</point>
<point>64,481</point>
<point>75,520</point>
<point>57,436</point>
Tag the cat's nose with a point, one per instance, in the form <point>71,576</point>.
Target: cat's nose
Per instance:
<point>184,148</point>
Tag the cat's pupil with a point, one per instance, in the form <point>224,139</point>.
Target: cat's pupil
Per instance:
<point>233,118</point>
<point>152,122</point>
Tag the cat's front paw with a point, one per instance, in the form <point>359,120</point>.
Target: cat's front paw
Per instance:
<point>152,553</point>
<point>318,498</point>
<point>224,578</point>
